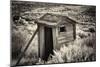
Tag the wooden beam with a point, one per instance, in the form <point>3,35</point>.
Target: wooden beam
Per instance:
<point>54,32</point>
<point>23,52</point>
<point>48,23</point>
<point>41,45</point>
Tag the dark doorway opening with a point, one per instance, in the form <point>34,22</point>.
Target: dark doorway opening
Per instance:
<point>48,42</point>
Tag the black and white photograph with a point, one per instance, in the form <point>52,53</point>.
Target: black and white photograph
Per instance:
<point>45,33</point>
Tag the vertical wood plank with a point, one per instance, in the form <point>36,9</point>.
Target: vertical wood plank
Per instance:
<point>54,37</point>
<point>57,31</point>
<point>41,41</point>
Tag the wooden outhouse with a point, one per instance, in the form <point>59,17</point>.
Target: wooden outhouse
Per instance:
<point>54,30</point>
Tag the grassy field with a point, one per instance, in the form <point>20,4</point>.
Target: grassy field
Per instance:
<point>82,49</point>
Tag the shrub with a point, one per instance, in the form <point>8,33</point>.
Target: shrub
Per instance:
<point>92,30</point>
<point>90,41</point>
<point>75,52</point>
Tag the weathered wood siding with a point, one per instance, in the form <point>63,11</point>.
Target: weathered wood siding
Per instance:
<point>46,42</point>
<point>41,41</point>
<point>66,36</point>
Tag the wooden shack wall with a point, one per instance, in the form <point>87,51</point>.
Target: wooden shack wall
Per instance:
<point>69,33</point>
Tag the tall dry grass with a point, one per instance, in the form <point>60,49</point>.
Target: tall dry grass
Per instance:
<point>78,51</point>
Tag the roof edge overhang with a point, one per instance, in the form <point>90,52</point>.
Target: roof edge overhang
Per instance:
<point>46,23</point>
<point>54,24</point>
